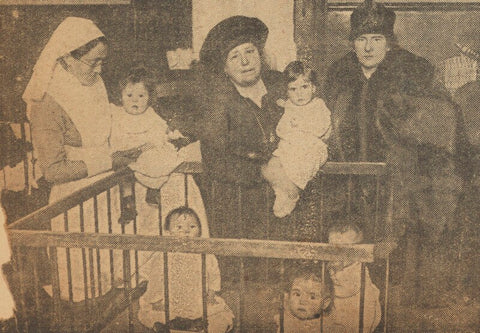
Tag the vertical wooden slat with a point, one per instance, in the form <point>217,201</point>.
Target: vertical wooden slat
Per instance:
<point>122,195</point>
<point>321,293</point>
<point>127,284</point>
<point>92,274</point>
<point>241,222</point>
<point>349,194</point>
<point>389,219</point>
<point>97,251</point>
<point>240,212</point>
<point>166,291</point>
<point>185,177</point>
<point>55,288</point>
<point>110,230</point>
<point>69,262</point>
<point>282,296</point>
<point>36,283</point>
<point>268,262</point>
<point>84,263</point>
<point>212,193</point>
<point>322,205</point>
<point>20,268</point>
<point>25,159</point>
<point>241,298</point>
<point>204,292</point>
<point>377,207</point>
<point>160,216</point>
<point>362,298</point>
<point>135,253</point>
<point>385,306</point>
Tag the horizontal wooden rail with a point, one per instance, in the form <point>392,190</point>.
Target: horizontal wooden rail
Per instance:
<point>32,220</point>
<point>330,168</point>
<point>354,168</point>
<point>222,247</point>
<point>40,217</point>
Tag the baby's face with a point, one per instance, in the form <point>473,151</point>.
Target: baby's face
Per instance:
<point>300,92</point>
<point>135,98</point>
<point>184,226</point>
<point>305,300</point>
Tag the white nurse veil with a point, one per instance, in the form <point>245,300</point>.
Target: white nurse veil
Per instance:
<point>71,34</point>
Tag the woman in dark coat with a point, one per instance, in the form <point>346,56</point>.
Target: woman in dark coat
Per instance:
<point>237,116</point>
<point>385,108</point>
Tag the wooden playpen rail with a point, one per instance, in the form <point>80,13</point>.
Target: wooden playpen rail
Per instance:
<point>29,233</point>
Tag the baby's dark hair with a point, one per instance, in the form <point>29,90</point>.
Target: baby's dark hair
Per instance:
<point>308,270</point>
<point>179,211</point>
<point>139,74</point>
<point>349,222</point>
<point>296,68</point>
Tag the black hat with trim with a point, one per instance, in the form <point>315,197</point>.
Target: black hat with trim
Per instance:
<point>228,34</point>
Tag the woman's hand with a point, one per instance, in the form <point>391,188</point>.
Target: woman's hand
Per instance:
<point>176,138</point>
<point>123,158</point>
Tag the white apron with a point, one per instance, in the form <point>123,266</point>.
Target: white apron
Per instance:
<point>87,106</point>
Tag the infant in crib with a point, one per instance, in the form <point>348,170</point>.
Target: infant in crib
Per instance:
<point>184,283</point>
<point>308,302</point>
<point>346,277</point>
<point>137,127</point>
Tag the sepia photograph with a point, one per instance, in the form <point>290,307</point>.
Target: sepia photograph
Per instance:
<point>154,160</point>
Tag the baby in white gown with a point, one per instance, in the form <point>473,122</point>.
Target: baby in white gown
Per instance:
<point>303,130</point>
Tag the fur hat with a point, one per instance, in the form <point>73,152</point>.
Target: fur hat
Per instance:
<point>227,35</point>
<point>372,18</point>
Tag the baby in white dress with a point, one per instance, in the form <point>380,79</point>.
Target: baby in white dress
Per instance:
<point>302,130</point>
<point>184,282</point>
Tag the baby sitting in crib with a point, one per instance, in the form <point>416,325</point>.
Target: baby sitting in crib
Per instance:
<point>309,301</point>
<point>184,283</point>
<point>346,277</point>
<point>138,128</point>
<point>303,130</point>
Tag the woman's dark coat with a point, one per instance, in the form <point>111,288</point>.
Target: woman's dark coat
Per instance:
<point>236,138</point>
<point>407,123</point>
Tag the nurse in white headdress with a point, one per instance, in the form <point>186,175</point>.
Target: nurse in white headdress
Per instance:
<point>70,119</point>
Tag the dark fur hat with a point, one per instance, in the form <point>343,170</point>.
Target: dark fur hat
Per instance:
<point>227,35</point>
<point>372,18</point>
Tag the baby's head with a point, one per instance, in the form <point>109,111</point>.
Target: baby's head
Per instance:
<point>309,295</point>
<point>137,90</point>
<point>345,232</point>
<point>301,83</point>
<point>183,222</point>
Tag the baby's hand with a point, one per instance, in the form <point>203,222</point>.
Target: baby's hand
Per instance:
<point>174,135</point>
<point>211,297</point>
<point>281,102</point>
